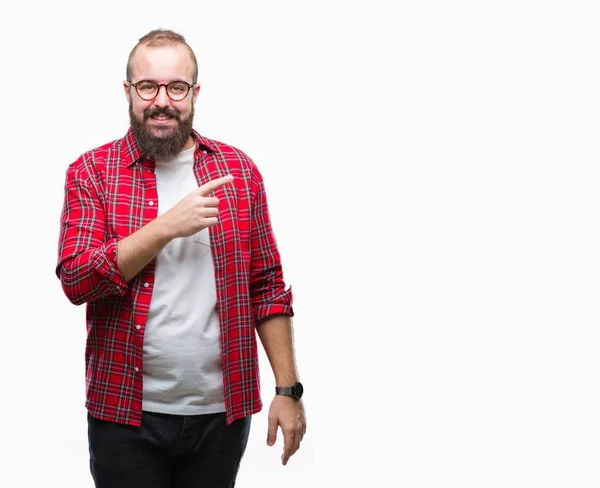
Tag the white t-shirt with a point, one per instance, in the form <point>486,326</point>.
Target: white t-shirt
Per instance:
<point>182,352</point>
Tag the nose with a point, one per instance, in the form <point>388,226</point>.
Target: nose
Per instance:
<point>162,100</point>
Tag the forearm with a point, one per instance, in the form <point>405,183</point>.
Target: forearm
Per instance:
<point>138,249</point>
<point>276,335</point>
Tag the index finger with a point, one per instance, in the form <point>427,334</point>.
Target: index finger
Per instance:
<point>289,446</point>
<point>212,185</point>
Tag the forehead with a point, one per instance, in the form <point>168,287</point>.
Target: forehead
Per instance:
<point>162,63</point>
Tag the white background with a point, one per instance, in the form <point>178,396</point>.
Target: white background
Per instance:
<point>432,169</point>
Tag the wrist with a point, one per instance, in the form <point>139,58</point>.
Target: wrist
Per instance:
<point>162,229</point>
<point>295,390</point>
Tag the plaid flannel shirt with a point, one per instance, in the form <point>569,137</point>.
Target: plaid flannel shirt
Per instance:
<point>110,192</point>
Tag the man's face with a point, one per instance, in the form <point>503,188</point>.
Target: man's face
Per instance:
<point>162,126</point>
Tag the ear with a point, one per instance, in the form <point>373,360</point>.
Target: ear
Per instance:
<point>196,90</point>
<point>127,88</point>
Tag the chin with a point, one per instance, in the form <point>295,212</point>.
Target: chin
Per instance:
<point>161,130</point>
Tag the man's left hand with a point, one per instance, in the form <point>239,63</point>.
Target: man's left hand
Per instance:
<point>287,413</point>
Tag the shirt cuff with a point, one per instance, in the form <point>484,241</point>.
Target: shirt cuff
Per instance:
<point>281,305</point>
<point>104,262</point>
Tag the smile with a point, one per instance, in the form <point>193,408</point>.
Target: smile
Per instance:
<point>161,119</point>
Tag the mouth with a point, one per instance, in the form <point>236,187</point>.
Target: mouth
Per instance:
<point>161,119</point>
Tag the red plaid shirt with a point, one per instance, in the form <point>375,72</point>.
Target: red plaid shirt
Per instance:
<point>110,192</point>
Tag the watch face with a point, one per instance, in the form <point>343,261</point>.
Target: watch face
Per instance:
<point>298,390</point>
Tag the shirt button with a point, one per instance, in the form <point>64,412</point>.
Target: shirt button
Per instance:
<point>138,326</point>
<point>204,152</point>
<point>150,203</point>
<point>146,285</point>
<point>137,369</point>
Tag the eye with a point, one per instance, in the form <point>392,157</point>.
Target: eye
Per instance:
<point>146,86</point>
<point>177,88</point>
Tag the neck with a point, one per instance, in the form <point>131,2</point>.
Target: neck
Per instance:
<point>189,144</point>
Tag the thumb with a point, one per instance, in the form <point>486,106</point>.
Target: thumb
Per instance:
<point>272,432</point>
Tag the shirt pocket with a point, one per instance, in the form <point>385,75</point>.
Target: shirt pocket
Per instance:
<point>202,238</point>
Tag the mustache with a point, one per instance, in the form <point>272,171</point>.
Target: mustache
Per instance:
<point>154,111</point>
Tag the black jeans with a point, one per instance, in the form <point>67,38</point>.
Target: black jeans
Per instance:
<point>167,451</point>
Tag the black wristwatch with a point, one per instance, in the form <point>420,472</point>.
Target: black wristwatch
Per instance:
<point>295,391</point>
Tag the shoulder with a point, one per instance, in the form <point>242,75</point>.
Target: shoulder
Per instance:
<point>230,158</point>
<point>229,154</point>
<point>230,150</point>
<point>236,158</point>
<point>233,159</point>
<point>90,166</point>
<point>99,156</point>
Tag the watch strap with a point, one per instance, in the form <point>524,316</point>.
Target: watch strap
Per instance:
<point>284,390</point>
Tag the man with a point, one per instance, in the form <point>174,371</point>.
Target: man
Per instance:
<point>166,236</point>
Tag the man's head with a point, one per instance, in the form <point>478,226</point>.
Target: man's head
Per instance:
<point>162,119</point>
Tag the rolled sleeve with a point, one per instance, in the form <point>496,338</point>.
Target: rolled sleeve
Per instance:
<point>104,260</point>
<point>93,274</point>
<point>281,305</point>
<point>87,264</point>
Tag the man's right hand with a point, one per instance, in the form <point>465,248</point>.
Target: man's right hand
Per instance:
<point>196,211</point>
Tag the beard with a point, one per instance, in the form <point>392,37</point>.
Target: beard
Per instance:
<point>172,139</point>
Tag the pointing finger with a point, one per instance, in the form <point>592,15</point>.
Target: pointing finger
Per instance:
<point>212,185</point>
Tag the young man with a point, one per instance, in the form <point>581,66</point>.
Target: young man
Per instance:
<point>166,236</point>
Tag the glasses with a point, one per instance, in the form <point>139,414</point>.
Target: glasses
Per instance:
<point>148,90</point>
